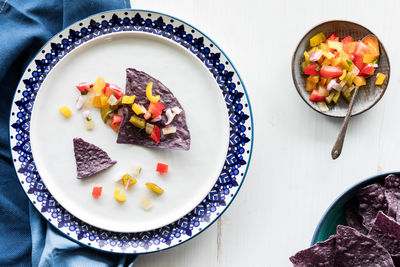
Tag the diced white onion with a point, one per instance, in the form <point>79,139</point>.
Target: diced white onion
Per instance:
<point>331,84</point>
<point>144,110</point>
<point>337,87</point>
<point>89,124</point>
<point>322,106</point>
<point>316,55</point>
<point>149,128</point>
<point>128,183</point>
<point>136,170</point>
<point>158,118</point>
<point>80,101</point>
<point>146,203</point>
<point>86,113</point>
<point>176,110</point>
<point>170,116</point>
<point>112,100</point>
<point>355,70</point>
<point>114,86</point>
<point>169,130</point>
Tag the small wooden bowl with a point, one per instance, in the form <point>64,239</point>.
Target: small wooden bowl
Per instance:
<point>368,95</point>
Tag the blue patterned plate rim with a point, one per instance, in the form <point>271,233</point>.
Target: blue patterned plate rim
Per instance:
<point>241,131</point>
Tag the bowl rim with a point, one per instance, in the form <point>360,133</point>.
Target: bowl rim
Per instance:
<point>348,191</point>
<point>298,89</point>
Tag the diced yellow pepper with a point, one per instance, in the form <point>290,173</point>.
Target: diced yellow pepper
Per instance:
<point>326,62</point>
<point>137,109</point>
<point>323,81</point>
<point>317,39</point>
<point>325,47</point>
<point>359,81</point>
<point>128,99</point>
<point>312,50</point>
<point>98,85</point>
<point>344,64</point>
<point>65,111</point>
<point>343,55</point>
<point>311,82</point>
<point>149,93</point>
<point>368,58</point>
<point>336,61</point>
<point>120,197</point>
<point>100,102</point>
<point>155,188</point>
<point>127,177</point>
<point>97,101</point>
<point>306,57</point>
<point>350,78</point>
<point>328,55</point>
<point>338,46</point>
<point>380,79</point>
<point>373,48</point>
<point>103,101</point>
<point>344,74</point>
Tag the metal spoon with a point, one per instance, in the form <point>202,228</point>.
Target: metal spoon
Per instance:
<point>337,147</point>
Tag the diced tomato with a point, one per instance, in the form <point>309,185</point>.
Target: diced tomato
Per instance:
<point>156,109</point>
<point>361,49</point>
<point>315,97</point>
<point>114,89</point>
<point>351,57</point>
<point>367,70</point>
<point>331,71</point>
<point>105,88</point>
<point>96,191</point>
<point>162,168</point>
<point>84,87</point>
<point>116,120</point>
<point>349,47</point>
<point>115,127</point>
<point>147,115</point>
<point>311,70</point>
<point>347,39</point>
<point>358,62</point>
<point>332,37</point>
<point>155,134</point>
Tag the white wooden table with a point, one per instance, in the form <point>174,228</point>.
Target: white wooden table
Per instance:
<point>292,179</point>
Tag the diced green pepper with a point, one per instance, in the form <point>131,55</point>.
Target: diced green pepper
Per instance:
<point>303,66</point>
<point>330,97</point>
<point>350,78</point>
<point>105,114</point>
<point>138,122</point>
<point>336,97</point>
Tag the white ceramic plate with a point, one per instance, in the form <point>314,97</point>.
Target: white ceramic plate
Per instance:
<point>201,182</point>
<point>191,173</point>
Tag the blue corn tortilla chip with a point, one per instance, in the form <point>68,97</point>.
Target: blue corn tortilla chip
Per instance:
<point>386,231</point>
<point>136,83</point>
<point>353,218</point>
<point>90,159</point>
<point>356,249</point>
<point>392,194</point>
<point>321,254</point>
<point>372,200</point>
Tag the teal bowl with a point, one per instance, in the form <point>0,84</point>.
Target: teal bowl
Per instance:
<point>334,215</point>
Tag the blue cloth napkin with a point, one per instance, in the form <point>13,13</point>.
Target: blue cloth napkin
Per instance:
<point>26,239</point>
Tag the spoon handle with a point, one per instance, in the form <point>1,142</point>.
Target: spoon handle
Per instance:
<point>337,147</point>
